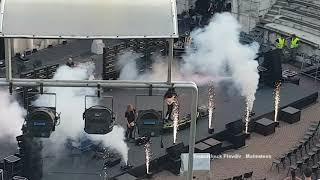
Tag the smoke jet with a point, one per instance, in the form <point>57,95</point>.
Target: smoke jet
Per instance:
<point>219,53</point>
<point>11,117</point>
<point>215,54</point>
<point>127,63</point>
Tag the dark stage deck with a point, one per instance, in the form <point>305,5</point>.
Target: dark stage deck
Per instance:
<point>229,108</point>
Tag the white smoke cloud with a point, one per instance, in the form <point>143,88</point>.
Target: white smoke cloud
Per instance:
<point>71,105</point>
<point>11,117</point>
<point>218,56</point>
<point>220,53</point>
<point>114,140</point>
<point>128,65</point>
<point>129,70</point>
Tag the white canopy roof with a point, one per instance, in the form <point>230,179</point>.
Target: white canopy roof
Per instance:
<point>94,19</point>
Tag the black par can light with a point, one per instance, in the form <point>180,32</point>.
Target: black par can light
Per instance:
<point>41,122</point>
<point>98,120</point>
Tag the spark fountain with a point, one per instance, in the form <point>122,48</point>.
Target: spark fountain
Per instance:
<point>148,156</point>
<point>211,106</point>
<point>175,119</point>
<point>247,116</point>
<point>276,100</point>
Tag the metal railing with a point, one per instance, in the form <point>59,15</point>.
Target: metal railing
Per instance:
<point>310,65</point>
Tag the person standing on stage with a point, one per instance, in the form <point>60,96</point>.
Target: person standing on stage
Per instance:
<point>130,116</point>
<point>170,98</point>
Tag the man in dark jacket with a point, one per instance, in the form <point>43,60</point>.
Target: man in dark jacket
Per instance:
<point>130,115</point>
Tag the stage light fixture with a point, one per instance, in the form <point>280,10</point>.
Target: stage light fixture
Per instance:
<point>98,119</point>
<point>41,122</point>
<point>149,123</point>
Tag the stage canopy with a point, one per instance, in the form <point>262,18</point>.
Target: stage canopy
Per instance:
<point>89,19</point>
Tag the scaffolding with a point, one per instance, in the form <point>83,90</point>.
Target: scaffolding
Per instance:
<point>310,65</point>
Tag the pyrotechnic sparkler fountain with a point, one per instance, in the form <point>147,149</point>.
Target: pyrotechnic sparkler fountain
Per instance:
<point>276,100</point>
<point>104,173</point>
<point>175,118</point>
<point>148,156</point>
<point>249,105</point>
<point>211,104</point>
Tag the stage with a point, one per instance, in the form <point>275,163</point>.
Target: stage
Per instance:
<point>229,108</point>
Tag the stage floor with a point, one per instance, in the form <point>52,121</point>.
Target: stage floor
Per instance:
<point>229,107</point>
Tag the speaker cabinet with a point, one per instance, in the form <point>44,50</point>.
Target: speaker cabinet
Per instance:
<point>272,62</point>
<point>235,127</point>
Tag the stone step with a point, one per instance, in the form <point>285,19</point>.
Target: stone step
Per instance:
<point>304,11</point>
<point>274,12</point>
<point>306,4</point>
<point>267,19</point>
<point>303,22</point>
<point>301,17</point>
<point>269,16</point>
<point>297,26</point>
<point>276,6</point>
<point>281,3</point>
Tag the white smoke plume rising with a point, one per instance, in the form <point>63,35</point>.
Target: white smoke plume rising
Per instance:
<point>114,140</point>
<point>220,53</point>
<point>71,105</point>
<point>129,68</point>
<point>128,65</point>
<point>218,56</point>
<point>11,117</point>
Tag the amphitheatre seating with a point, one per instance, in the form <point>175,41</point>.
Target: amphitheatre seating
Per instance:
<point>245,176</point>
<point>301,15</point>
<point>306,153</point>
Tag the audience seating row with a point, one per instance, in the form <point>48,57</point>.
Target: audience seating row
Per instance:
<point>306,153</point>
